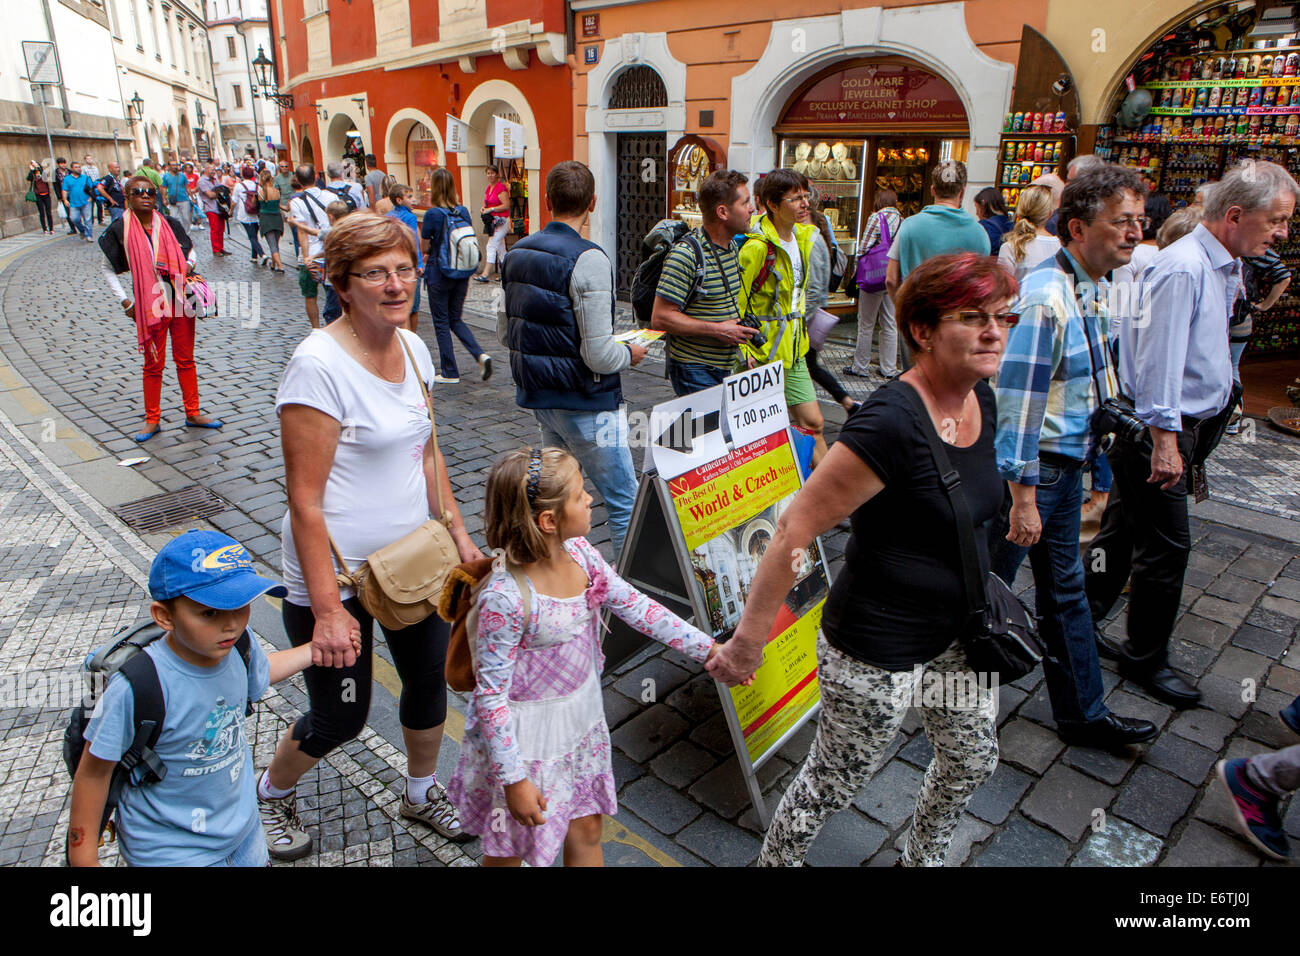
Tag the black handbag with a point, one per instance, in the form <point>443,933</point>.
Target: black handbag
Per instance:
<point>489,223</point>
<point>1002,633</point>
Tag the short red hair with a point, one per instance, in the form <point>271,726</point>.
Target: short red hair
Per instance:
<point>949,283</point>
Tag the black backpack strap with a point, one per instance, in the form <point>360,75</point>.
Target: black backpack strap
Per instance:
<point>950,478</point>
<point>698,249</point>
<point>150,711</point>
<point>245,647</point>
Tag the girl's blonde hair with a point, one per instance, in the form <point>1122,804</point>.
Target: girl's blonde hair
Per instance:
<point>1180,223</point>
<point>509,518</point>
<point>1032,210</point>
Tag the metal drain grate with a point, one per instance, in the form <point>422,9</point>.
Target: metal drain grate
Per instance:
<point>158,512</point>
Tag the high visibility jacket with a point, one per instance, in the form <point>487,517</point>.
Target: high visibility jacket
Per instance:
<point>776,303</point>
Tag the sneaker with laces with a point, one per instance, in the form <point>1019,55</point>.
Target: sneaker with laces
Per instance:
<point>438,813</point>
<point>1257,813</point>
<point>286,839</point>
<point>440,379</point>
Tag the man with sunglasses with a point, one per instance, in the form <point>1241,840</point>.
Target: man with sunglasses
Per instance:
<point>1055,373</point>
<point>1175,367</point>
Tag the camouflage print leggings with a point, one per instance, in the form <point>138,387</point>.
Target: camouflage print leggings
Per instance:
<point>862,709</point>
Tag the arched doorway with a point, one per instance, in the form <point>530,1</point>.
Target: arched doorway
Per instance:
<point>641,161</point>
<point>500,98</point>
<point>186,138</point>
<point>337,140</point>
<point>413,149</point>
<point>307,154</point>
<point>1204,99</point>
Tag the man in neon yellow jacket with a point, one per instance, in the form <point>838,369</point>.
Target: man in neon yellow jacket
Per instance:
<point>774,268</point>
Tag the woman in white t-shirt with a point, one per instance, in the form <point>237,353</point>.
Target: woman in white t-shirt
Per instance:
<point>1029,243</point>
<point>361,468</point>
<point>245,191</point>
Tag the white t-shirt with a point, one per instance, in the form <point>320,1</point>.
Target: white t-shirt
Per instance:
<point>1037,250</point>
<point>313,215</point>
<point>796,261</point>
<point>376,490</point>
<point>242,189</point>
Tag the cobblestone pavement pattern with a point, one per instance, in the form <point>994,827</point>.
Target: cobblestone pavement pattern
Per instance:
<point>72,573</point>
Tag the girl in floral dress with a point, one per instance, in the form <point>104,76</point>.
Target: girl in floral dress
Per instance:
<point>535,774</point>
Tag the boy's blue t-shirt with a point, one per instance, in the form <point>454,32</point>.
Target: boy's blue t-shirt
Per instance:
<point>408,217</point>
<point>207,804</point>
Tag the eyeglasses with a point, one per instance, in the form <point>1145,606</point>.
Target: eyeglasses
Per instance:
<point>800,199</point>
<point>1128,222</point>
<point>974,319</point>
<point>380,276</point>
<point>142,191</point>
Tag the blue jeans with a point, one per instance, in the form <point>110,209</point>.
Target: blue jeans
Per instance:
<point>115,213</point>
<point>446,305</point>
<point>687,378</point>
<point>1236,348</point>
<point>80,219</point>
<point>333,307</point>
<point>252,852</point>
<point>1071,666</point>
<point>599,441</point>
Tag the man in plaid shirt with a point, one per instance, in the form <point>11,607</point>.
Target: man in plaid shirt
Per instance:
<point>1055,373</point>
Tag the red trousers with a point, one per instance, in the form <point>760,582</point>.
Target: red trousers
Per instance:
<point>217,233</point>
<point>155,359</point>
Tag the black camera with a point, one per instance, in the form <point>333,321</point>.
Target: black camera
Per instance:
<point>749,322</point>
<point>1117,420</point>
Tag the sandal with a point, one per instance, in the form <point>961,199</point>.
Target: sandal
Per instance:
<point>153,429</point>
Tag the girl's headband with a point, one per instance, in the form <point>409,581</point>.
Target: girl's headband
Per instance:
<point>534,473</point>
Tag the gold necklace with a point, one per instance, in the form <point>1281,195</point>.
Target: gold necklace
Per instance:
<point>364,352</point>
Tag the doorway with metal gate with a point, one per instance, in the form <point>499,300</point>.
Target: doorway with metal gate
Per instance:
<point>642,200</point>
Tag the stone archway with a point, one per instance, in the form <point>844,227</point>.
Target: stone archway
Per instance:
<point>186,136</point>
<point>488,99</point>
<point>934,36</point>
<point>307,154</point>
<point>395,157</point>
<point>336,138</point>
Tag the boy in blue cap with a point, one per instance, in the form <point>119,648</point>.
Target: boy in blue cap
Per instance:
<point>204,810</point>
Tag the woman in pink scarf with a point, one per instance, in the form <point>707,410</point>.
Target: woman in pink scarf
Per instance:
<point>155,249</point>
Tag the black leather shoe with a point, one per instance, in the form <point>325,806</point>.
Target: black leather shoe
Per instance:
<point>1107,647</point>
<point>1111,732</point>
<point>1163,684</point>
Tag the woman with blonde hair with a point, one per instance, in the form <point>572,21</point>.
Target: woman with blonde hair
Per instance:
<point>1029,243</point>
<point>270,220</point>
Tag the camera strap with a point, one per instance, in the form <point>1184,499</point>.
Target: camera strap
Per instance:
<point>1067,266</point>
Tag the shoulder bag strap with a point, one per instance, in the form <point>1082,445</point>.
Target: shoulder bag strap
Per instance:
<point>1067,267</point>
<point>950,478</point>
<point>443,515</point>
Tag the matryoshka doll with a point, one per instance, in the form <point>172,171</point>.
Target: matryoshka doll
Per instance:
<point>1292,125</point>
<point>1270,96</point>
<point>1202,99</point>
<point>1243,97</point>
<point>1176,100</point>
<point>1185,72</point>
<point>1215,95</point>
<point>1295,96</point>
<point>1038,152</point>
<point>1255,62</point>
<point>1292,64</point>
<point>1279,65</point>
<point>1230,68</point>
<point>1257,96</point>
<point>1207,68</point>
<point>1216,71</point>
<point>1220,127</point>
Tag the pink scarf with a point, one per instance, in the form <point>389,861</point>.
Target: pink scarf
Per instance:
<point>158,270</point>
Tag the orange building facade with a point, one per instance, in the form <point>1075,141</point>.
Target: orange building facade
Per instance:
<point>857,98</point>
<point>381,77</point>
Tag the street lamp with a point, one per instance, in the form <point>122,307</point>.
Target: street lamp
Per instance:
<point>137,106</point>
<point>266,80</point>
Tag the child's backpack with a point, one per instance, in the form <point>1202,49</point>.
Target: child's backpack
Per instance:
<point>458,256</point>
<point>345,196</point>
<point>459,607</point>
<point>224,207</point>
<point>250,202</point>
<point>654,250</point>
<point>124,654</point>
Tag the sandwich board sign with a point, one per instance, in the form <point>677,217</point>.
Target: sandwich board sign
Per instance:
<point>720,469</point>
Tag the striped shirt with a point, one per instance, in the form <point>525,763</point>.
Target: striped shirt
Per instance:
<point>1046,388</point>
<point>714,301</point>
<point>872,235</point>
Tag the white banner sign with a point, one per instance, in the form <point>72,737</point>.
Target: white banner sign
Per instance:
<point>457,135</point>
<point>755,403</point>
<point>509,139</point>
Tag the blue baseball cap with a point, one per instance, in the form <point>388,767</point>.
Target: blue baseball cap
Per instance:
<point>210,568</point>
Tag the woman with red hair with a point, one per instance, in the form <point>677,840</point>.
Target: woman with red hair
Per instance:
<point>157,251</point>
<point>892,624</point>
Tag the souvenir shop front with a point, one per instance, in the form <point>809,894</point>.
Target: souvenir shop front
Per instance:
<point>865,126</point>
<point>1209,93</point>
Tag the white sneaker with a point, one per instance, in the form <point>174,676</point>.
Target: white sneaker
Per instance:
<point>438,379</point>
<point>485,366</point>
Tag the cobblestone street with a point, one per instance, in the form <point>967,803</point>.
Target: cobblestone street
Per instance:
<point>73,572</point>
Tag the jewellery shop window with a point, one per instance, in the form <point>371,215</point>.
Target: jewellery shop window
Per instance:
<point>834,168</point>
<point>421,161</point>
<point>691,162</point>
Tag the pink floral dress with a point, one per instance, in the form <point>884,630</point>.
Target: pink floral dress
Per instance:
<point>537,712</point>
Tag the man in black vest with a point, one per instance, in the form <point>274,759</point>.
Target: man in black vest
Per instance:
<point>558,322</point>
